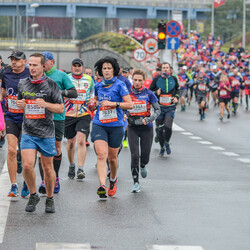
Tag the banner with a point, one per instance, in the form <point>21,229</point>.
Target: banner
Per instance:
<point>218,3</point>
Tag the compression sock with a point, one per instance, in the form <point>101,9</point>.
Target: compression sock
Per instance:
<point>57,163</point>
<point>135,174</point>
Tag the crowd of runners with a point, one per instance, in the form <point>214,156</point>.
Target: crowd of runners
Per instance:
<point>113,105</point>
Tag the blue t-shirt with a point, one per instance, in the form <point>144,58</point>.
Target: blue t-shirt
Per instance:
<point>126,81</point>
<point>114,93</point>
<point>145,95</point>
<point>10,82</point>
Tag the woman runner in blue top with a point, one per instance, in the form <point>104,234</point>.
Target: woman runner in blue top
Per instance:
<point>111,97</point>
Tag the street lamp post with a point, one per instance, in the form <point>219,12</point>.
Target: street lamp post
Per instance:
<point>244,25</point>
<point>33,5</point>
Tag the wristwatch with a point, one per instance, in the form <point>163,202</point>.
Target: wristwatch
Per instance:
<point>117,104</point>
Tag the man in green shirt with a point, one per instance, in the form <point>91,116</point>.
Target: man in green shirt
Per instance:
<point>67,90</point>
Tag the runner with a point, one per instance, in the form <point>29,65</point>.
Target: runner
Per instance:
<point>183,82</point>
<point>67,89</point>
<point>140,129</point>
<point>166,88</point>
<point>14,117</point>
<point>40,97</point>
<point>224,92</point>
<point>215,79</point>
<point>235,82</point>
<point>201,87</point>
<point>78,118</point>
<point>247,86</point>
<point>107,131</point>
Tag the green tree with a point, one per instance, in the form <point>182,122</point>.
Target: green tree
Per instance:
<point>86,27</point>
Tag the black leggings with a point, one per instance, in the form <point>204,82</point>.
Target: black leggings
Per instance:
<point>140,140</point>
<point>164,129</point>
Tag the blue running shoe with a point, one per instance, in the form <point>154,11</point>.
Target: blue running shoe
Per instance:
<point>13,191</point>
<point>57,186</point>
<point>162,151</point>
<point>136,188</point>
<point>42,189</point>
<point>144,172</point>
<point>25,191</point>
<point>203,117</point>
<point>168,149</point>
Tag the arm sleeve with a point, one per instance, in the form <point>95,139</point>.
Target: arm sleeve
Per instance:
<point>67,84</point>
<point>153,86</point>
<point>70,93</point>
<point>155,114</point>
<point>55,93</point>
<point>176,88</point>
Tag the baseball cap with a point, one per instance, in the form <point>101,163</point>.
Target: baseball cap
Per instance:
<point>125,70</point>
<point>48,55</point>
<point>77,60</point>
<point>214,67</point>
<point>17,54</point>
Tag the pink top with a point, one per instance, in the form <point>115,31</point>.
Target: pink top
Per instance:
<point>223,92</point>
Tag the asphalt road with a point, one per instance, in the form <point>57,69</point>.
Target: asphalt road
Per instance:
<point>197,197</point>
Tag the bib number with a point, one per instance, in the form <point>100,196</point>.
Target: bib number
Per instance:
<point>80,98</point>
<point>165,100</point>
<point>202,87</point>
<point>32,111</point>
<point>139,108</point>
<point>107,114</point>
<point>223,93</point>
<point>12,105</point>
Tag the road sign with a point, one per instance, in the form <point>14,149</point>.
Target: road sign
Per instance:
<point>151,62</point>
<point>150,45</point>
<point>173,43</point>
<point>173,29</point>
<point>139,54</point>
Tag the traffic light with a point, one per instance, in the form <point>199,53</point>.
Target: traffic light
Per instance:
<point>161,35</point>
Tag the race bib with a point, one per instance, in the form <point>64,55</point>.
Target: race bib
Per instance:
<point>223,93</point>
<point>247,82</point>
<point>32,111</point>
<point>182,83</point>
<point>235,82</point>
<point>139,108</point>
<point>107,114</point>
<point>12,105</point>
<point>80,98</point>
<point>165,100</point>
<point>202,87</point>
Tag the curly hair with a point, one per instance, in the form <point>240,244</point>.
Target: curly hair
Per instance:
<point>107,59</point>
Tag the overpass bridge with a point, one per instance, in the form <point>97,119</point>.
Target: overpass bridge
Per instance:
<point>127,9</point>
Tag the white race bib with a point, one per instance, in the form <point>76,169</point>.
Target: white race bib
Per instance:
<point>32,111</point>
<point>139,108</point>
<point>80,98</point>
<point>107,114</point>
<point>12,105</point>
<point>165,100</point>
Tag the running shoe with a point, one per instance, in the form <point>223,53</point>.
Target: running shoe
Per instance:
<point>42,189</point>
<point>156,139</point>
<point>228,115</point>
<point>162,151</point>
<point>168,149</point>
<point>49,206</point>
<point>144,172</point>
<point>71,173</point>
<point>80,174</point>
<point>221,118</point>
<point>246,107</point>
<point>125,144</point>
<point>2,141</point>
<point>136,188</point>
<point>13,191</point>
<point>112,187</point>
<point>87,144</point>
<point>203,116</point>
<point>25,191</point>
<point>101,191</point>
<point>57,186</point>
<point>31,205</point>
<point>182,108</point>
<point>19,167</point>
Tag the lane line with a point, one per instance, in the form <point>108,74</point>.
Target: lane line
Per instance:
<point>172,247</point>
<point>245,160</point>
<point>60,246</point>
<point>4,200</point>
<point>177,128</point>
<point>205,142</point>
<point>230,154</point>
<point>187,133</point>
<point>195,137</point>
<point>217,148</point>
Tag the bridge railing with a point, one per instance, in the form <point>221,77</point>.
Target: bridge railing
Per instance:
<point>154,3</point>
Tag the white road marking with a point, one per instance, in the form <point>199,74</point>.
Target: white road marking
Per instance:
<point>4,200</point>
<point>205,142</point>
<point>217,148</point>
<point>166,247</point>
<point>230,154</point>
<point>62,246</point>
<point>195,137</point>
<point>245,160</point>
<point>177,128</point>
<point>187,133</point>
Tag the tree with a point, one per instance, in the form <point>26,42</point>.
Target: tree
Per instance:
<point>87,27</point>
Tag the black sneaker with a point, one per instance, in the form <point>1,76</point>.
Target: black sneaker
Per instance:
<point>80,174</point>
<point>31,205</point>
<point>49,206</point>
<point>102,191</point>
<point>228,115</point>
<point>71,173</point>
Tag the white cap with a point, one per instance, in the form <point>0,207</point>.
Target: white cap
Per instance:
<point>214,67</point>
<point>184,67</point>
